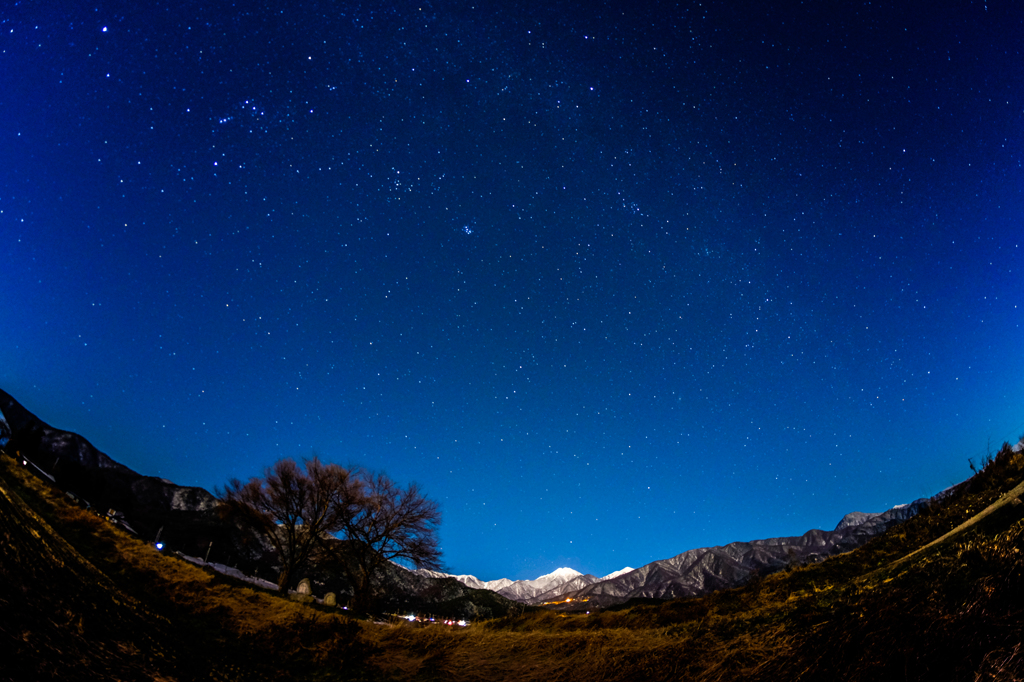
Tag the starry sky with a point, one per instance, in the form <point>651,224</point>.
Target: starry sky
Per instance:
<point>609,280</point>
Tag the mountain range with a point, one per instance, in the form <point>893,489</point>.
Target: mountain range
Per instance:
<point>537,591</point>
<point>187,519</point>
<point>696,571</point>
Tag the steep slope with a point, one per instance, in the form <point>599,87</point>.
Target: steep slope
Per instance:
<point>467,580</point>
<point>528,590</point>
<point>31,434</point>
<point>188,519</point>
<point>73,459</point>
<point>63,618</point>
<point>568,587</point>
<point>939,597</point>
<point>698,571</point>
<point>703,570</point>
<point>82,600</point>
<point>189,522</point>
<point>537,591</point>
<point>525,591</point>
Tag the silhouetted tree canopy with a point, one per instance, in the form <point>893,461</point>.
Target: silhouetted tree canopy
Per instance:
<point>295,510</point>
<point>390,524</point>
<point>299,512</point>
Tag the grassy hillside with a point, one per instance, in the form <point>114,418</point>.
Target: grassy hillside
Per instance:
<point>81,600</point>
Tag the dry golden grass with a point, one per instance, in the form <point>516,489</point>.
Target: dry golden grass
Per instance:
<point>951,612</point>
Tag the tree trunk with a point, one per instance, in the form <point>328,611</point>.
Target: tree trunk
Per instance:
<point>363,589</point>
<point>283,578</point>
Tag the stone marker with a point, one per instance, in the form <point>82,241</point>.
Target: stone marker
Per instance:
<point>330,599</point>
<point>304,587</point>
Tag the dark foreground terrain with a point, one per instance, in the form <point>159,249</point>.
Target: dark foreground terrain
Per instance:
<point>938,597</point>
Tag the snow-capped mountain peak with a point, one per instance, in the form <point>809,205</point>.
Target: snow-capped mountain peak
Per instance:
<point>523,590</point>
<point>559,574</point>
<point>559,580</point>
<point>616,574</point>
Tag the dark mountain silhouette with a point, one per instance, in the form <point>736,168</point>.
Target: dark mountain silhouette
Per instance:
<point>707,569</point>
<point>185,517</point>
<point>188,519</point>
<point>938,599</point>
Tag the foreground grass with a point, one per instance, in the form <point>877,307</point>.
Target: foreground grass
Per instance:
<point>951,611</point>
<point>82,600</point>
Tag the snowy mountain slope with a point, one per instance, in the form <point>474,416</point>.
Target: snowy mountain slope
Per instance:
<point>468,580</point>
<point>703,570</point>
<point>616,574</point>
<point>530,591</point>
<point>527,590</point>
<point>554,594</point>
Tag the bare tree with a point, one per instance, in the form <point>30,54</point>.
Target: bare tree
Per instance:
<point>295,510</point>
<point>391,524</point>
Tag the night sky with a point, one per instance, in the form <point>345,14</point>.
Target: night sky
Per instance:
<point>609,280</point>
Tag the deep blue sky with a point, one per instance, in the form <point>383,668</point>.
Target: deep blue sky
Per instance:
<point>609,280</point>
